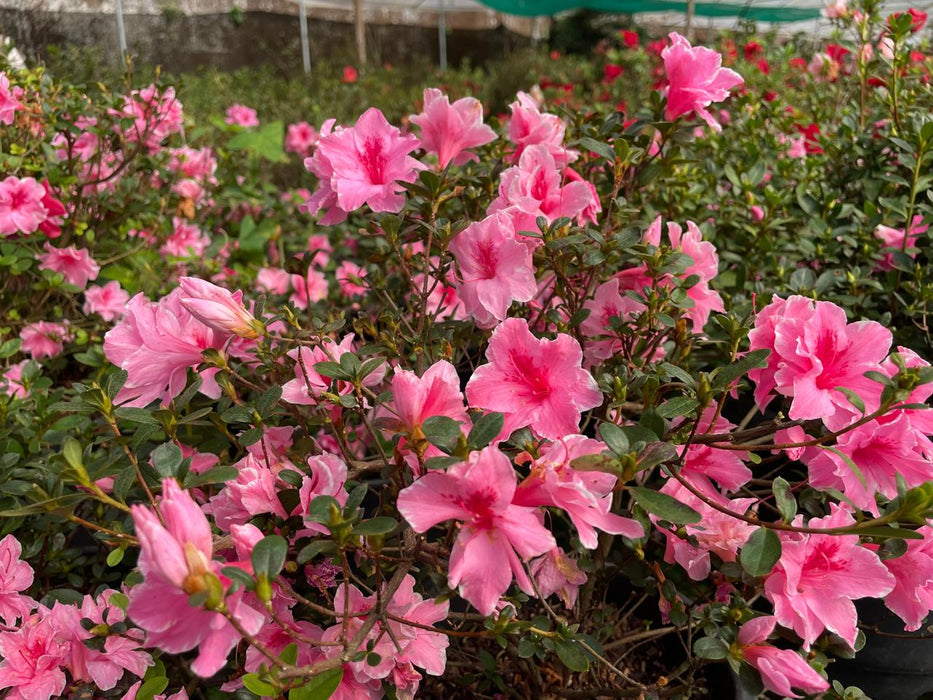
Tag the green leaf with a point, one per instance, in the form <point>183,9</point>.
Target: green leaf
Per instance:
<point>615,438</point>
<point>269,555</point>
<point>311,551</point>
<point>571,655</point>
<point>74,454</point>
<point>442,432</point>
<point>332,370</point>
<point>320,687</point>
<point>710,648</point>
<point>259,687</point>
<point>598,147</point>
<point>10,348</point>
<point>597,463</point>
<point>853,398</point>
<point>151,687</point>
<point>883,531</point>
<point>892,549</point>
<point>784,499</point>
<point>760,552</point>
<point>656,453</point>
<point>678,406</point>
<point>166,459</point>
<point>290,654</point>
<point>215,475</point>
<point>728,374</point>
<point>265,142</point>
<point>485,429</point>
<point>375,526</point>
<point>664,506</point>
<point>115,557</point>
<point>235,573</point>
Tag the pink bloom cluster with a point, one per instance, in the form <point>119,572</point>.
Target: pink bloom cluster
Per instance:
<point>9,100</point>
<point>241,115</point>
<point>362,164</point>
<point>450,130</point>
<point>695,79</point>
<point>49,642</point>
<point>27,206</point>
<point>155,115</point>
<point>156,343</point>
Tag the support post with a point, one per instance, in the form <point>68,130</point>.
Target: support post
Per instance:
<point>442,34</point>
<point>305,47</point>
<point>121,31</point>
<point>360,25</point>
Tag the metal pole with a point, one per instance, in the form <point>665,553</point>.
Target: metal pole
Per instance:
<point>360,33</point>
<point>442,35</point>
<point>688,29</point>
<point>118,6</point>
<point>305,48</point>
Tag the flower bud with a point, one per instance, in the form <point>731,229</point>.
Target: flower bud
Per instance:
<point>218,308</point>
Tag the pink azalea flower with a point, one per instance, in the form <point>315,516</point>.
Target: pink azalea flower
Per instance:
<point>308,385</point>
<point>705,266</point>
<point>273,280</point>
<point>368,161</point>
<point>44,339</point>
<point>121,652</point>
<point>350,277</point>
<point>9,100</point>
<point>241,115</point>
<point>449,130</point>
<point>695,79</point>
<point>15,577</point>
<point>33,660</point>
<point>175,559</point>
<point>535,382</point>
<point>435,393</point>
<point>495,269</point>
<point>586,496</point>
<point>55,210</point>
<point>881,451</point>
<point>21,208</point>
<point>406,646</point>
<point>325,197</point>
<point>528,126</point>
<point>894,238</point>
<point>702,462</point>
<point>555,572</point>
<point>781,670</point>
<point>912,596</point>
<point>535,187</point>
<point>218,308</point>
<point>155,116</point>
<point>11,380</point>
<point>107,301</point>
<point>818,576</point>
<point>328,477</point>
<point>607,303</point>
<point>76,264</point>
<point>309,289</point>
<point>814,351</point>
<point>186,241</point>
<point>301,138</point>
<point>717,533</point>
<point>156,343</point>
<point>494,534</point>
<point>252,493</point>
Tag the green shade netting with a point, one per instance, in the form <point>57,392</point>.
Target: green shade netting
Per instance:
<point>761,13</point>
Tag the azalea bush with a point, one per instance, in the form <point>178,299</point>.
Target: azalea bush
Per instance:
<point>479,406</point>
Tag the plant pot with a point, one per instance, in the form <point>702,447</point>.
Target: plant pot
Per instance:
<point>888,667</point>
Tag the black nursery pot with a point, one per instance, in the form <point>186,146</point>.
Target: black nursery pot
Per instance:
<point>889,667</point>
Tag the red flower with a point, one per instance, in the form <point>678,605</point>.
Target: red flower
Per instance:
<point>629,38</point>
<point>611,72</point>
<point>349,75</point>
